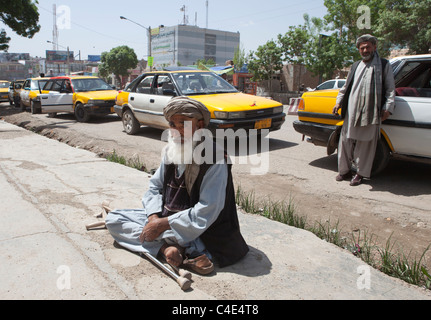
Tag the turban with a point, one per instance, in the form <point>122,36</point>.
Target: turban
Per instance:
<point>187,107</point>
<point>366,38</point>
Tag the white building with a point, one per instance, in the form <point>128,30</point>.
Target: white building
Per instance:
<point>185,44</point>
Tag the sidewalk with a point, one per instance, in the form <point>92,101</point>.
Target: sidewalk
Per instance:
<point>50,191</point>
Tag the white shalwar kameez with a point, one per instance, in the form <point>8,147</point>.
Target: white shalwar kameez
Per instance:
<point>358,143</point>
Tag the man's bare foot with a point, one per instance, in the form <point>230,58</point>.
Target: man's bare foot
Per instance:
<point>173,255</point>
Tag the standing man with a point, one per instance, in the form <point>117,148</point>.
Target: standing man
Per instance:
<point>366,99</point>
<point>189,213</point>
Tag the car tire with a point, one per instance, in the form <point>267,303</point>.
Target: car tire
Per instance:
<point>35,107</point>
<point>130,124</point>
<point>81,114</point>
<point>22,106</point>
<point>381,159</point>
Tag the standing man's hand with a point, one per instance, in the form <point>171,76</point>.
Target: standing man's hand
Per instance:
<point>336,108</point>
<point>385,115</point>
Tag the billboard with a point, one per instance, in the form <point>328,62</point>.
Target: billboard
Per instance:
<point>59,56</point>
<point>94,58</point>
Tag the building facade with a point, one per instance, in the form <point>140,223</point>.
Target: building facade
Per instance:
<point>184,45</point>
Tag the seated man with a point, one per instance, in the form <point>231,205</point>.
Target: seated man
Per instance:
<point>189,213</point>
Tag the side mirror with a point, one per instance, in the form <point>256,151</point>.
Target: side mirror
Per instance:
<point>169,92</point>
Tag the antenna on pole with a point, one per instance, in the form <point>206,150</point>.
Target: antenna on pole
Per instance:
<point>54,30</point>
<point>185,18</point>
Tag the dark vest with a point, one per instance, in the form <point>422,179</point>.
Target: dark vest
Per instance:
<point>223,238</point>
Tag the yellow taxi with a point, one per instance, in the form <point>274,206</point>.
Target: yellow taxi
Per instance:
<point>29,95</point>
<point>84,96</point>
<point>4,90</point>
<point>143,100</point>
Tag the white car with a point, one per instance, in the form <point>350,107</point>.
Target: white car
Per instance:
<point>331,84</point>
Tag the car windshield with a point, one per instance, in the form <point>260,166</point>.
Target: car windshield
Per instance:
<point>194,83</point>
<point>94,84</point>
<point>4,85</point>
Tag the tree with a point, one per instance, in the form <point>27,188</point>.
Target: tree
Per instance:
<point>117,61</point>
<point>239,58</point>
<point>21,16</point>
<point>401,19</point>
<point>265,62</point>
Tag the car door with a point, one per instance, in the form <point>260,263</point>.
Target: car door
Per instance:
<point>409,127</point>
<point>25,92</point>
<point>56,100</point>
<point>139,99</point>
<point>159,100</point>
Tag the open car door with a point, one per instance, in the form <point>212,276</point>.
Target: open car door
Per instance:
<point>55,101</point>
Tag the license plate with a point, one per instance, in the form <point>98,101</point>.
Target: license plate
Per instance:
<point>263,124</point>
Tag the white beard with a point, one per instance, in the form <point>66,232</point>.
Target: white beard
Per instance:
<point>179,153</point>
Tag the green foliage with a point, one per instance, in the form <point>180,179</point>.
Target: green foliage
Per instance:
<point>266,61</point>
<point>329,44</point>
<point>401,19</point>
<point>118,61</point>
<point>21,16</point>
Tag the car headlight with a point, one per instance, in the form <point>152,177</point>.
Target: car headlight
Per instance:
<point>236,115</point>
<point>221,115</point>
<point>278,109</point>
<point>228,115</point>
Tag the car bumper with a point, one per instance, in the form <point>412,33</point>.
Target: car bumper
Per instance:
<point>319,133</point>
<point>271,123</point>
<point>118,110</point>
<point>100,109</point>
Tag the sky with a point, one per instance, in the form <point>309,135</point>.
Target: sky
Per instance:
<point>91,27</point>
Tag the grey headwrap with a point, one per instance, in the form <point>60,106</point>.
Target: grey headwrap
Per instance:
<point>366,38</point>
<point>188,107</point>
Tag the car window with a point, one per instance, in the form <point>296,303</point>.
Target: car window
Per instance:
<point>201,83</point>
<point>53,85</point>
<point>27,85</point>
<point>131,85</point>
<point>341,83</point>
<point>163,82</point>
<point>91,84</point>
<point>144,86</point>
<point>326,85</point>
<point>414,79</point>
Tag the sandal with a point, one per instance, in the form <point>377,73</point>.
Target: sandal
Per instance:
<point>201,264</point>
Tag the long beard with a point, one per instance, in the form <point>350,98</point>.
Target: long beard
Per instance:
<point>179,152</point>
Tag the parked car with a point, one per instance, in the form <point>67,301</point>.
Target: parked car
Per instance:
<point>406,133</point>
<point>331,84</point>
<point>84,96</point>
<point>29,94</point>
<point>15,88</point>
<point>143,100</point>
<point>4,90</point>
